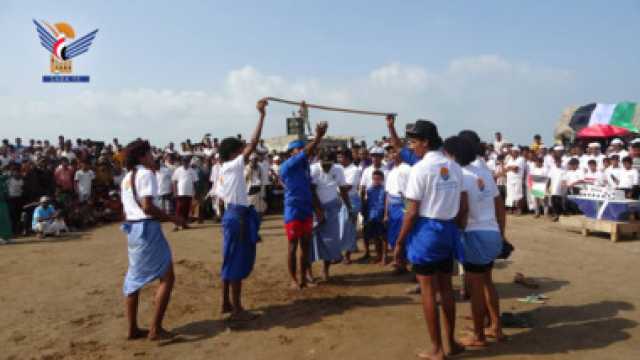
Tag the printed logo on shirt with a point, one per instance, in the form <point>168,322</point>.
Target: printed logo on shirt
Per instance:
<point>444,173</point>
<point>480,184</point>
<point>60,42</point>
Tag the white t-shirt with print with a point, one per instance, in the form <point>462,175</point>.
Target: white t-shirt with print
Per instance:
<point>436,181</point>
<point>146,185</point>
<point>481,192</point>
<point>327,183</point>
<point>231,185</point>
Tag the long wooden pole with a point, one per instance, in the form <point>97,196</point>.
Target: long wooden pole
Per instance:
<point>330,108</point>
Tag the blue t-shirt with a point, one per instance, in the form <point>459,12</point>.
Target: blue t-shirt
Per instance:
<point>408,156</point>
<point>41,212</point>
<point>375,203</point>
<point>296,177</point>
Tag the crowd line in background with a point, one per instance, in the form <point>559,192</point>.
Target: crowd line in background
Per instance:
<point>74,185</point>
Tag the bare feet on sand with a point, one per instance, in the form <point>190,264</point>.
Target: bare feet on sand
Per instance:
<point>499,336</point>
<point>137,333</point>
<point>160,334</point>
<point>431,355</point>
<point>473,342</point>
<point>456,349</point>
<point>226,308</point>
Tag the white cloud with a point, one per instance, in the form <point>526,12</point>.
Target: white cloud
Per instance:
<point>485,93</point>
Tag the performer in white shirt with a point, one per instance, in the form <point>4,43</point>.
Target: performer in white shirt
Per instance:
<point>330,185</point>
<point>149,253</point>
<point>429,232</point>
<point>240,224</point>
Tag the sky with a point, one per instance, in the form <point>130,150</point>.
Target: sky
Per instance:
<point>170,70</point>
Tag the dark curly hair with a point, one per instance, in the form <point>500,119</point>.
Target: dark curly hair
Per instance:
<point>228,147</point>
<point>134,151</point>
<point>461,149</point>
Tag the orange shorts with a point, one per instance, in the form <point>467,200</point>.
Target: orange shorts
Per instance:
<point>299,228</point>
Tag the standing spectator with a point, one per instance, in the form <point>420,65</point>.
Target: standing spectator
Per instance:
<point>515,168</point>
<point>498,143</point>
<point>15,186</point>
<point>253,174</point>
<point>165,188</point>
<point>184,179</point>
<point>83,181</point>
<point>5,220</point>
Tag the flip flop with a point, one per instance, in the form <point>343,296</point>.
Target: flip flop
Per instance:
<point>531,299</point>
<point>520,279</point>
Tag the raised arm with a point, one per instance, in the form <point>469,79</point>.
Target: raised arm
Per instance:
<point>255,138</point>
<point>393,134</point>
<point>321,130</point>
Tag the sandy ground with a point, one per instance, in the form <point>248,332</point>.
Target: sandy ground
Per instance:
<point>62,299</point>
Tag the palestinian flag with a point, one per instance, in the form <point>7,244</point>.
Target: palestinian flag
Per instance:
<point>624,115</point>
<point>537,185</point>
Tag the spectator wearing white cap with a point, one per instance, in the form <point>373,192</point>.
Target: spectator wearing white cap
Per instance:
<point>594,153</point>
<point>634,153</point>
<point>557,152</point>
<point>617,148</point>
<point>46,220</point>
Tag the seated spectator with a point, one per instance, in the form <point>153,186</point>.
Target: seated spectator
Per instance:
<point>46,220</point>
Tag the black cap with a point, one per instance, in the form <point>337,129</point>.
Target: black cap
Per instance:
<point>423,129</point>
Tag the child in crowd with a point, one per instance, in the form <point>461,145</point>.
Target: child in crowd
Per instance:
<point>593,176</point>
<point>628,180</point>
<point>374,205</point>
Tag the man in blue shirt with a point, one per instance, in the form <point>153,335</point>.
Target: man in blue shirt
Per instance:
<point>406,154</point>
<point>299,203</point>
<point>46,220</point>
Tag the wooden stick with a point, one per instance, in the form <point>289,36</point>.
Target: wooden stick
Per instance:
<point>330,108</point>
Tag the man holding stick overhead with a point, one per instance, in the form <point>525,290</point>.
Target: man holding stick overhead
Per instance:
<point>299,203</point>
<point>240,223</point>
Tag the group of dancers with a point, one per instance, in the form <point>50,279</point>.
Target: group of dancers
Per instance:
<point>438,203</point>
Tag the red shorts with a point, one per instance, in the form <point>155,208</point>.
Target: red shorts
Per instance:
<point>299,228</point>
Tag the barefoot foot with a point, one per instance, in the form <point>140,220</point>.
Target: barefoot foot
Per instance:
<point>226,308</point>
<point>473,342</point>
<point>137,333</point>
<point>160,334</point>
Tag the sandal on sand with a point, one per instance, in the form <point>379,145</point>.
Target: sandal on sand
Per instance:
<point>533,299</point>
<point>520,279</point>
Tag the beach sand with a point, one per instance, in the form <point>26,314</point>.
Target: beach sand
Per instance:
<point>62,299</point>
